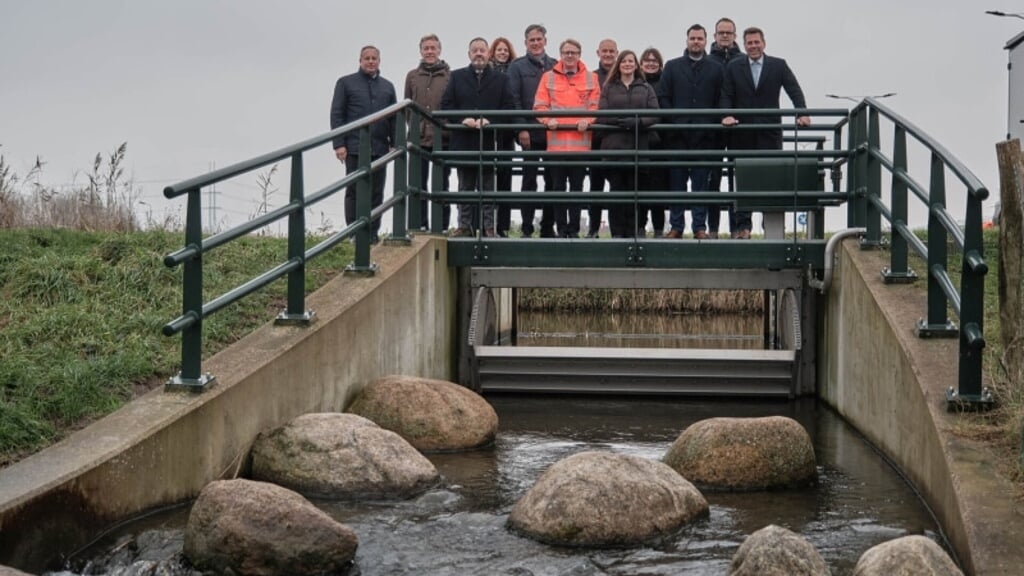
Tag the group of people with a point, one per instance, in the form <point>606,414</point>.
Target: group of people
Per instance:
<point>721,76</point>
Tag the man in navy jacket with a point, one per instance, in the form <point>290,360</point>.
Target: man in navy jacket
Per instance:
<point>476,87</point>
<point>756,82</point>
<point>693,81</point>
<point>356,96</point>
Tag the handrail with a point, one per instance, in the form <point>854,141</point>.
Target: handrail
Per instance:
<point>868,209</point>
<point>862,154</point>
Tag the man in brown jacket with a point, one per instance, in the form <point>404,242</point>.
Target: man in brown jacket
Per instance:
<point>425,85</point>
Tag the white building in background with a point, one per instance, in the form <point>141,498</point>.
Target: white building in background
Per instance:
<point>1015,107</point>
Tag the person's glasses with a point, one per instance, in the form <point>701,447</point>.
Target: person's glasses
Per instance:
<point>570,52</point>
<point>725,33</point>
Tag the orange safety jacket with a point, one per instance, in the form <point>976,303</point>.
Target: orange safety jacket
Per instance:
<point>560,91</point>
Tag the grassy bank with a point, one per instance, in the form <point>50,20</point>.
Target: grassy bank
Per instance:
<point>80,319</point>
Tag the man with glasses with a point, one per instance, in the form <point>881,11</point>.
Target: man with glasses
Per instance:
<point>567,86</point>
<point>607,52</point>
<point>756,82</point>
<point>524,75</point>
<point>691,81</point>
<point>723,50</point>
<point>476,87</point>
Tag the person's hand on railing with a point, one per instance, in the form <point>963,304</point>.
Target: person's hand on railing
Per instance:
<point>583,125</point>
<point>524,139</point>
<point>803,121</point>
<point>341,153</point>
<point>477,123</point>
<point>730,121</point>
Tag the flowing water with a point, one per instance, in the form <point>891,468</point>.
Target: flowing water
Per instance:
<point>460,528</point>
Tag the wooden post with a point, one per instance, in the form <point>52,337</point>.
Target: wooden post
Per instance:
<point>1011,258</point>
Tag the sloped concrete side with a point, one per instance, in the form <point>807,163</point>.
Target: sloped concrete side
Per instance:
<point>164,447</point>
<point>891,386</point>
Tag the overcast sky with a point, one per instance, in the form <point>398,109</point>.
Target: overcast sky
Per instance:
<point>194,83</point>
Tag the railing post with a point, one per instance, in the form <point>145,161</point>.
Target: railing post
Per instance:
<point>972,311</point>
<point>899,271</point>
<point>937,325</point>
<point>437,169</point>
<point>873,223</point>
<point>296,313</point>
<point>415,174</point>
<point>857,209</point>
<point>190,377</point>
<point>362,265</point>
<point>399,233</point>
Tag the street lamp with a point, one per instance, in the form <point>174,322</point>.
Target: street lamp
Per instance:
<point>857,99</point>
<point>1004,14</point>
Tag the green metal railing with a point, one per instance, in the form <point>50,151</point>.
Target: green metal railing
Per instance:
<point>862,194</point>
<point>867,209</point>
<point>194,310</point>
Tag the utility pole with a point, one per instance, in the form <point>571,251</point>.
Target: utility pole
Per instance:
<point>211,203</point>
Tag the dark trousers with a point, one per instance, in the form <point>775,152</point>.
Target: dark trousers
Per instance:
<point>425,184</point>
<point>504,184</point>
<point>622,218</point>
<point>598,176</point>
<point>377,181</point>
<point>566,218</point>
<point>529,184</point>
<point>698,179</point>
<point>655,181</point>
<point>478,182</point>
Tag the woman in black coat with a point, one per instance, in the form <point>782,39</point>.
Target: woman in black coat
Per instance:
<point>502,54</point>
<point>651,64</point>
<point>626,89</point>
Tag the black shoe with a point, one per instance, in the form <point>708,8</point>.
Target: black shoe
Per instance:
<point>591,234</point>
<point>374,239</point>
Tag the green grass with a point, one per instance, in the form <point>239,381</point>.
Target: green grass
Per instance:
<point>81,313</point>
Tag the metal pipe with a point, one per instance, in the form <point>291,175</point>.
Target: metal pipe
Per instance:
<point>830,247</point>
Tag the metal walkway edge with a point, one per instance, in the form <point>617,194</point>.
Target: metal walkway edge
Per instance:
<point>661,371</point>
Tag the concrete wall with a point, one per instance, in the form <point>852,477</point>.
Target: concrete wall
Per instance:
<point>163,448</point>
<point>891,386</point>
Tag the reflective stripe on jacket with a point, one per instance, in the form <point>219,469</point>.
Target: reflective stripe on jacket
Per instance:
<point>560,91</point>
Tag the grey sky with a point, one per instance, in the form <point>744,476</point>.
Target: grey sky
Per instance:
<point>194,82</point>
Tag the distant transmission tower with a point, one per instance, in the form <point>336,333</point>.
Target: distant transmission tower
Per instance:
<point>211,203</point>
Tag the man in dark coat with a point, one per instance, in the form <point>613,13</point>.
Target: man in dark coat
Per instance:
<point>476,87</point>
<point>724,49</point>
<point>692,81</point>
<point>756,82</point>
<point>524,75</point>
<point>356,96</point>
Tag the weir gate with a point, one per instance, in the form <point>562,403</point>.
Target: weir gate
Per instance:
<point>837,164</point>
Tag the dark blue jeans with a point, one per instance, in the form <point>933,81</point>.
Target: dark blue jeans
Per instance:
<point>699,179</point>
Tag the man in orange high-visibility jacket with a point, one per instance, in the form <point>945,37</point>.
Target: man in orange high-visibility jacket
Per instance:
<point>567,86</point>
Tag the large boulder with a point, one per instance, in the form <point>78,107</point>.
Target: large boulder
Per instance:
<point>744,454</point>
<point>433,415</point>
<point>908,555</point>
<point>604,499</point>
<point>775,551</point>
<point>260,529</point>
<point>341,456</point>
